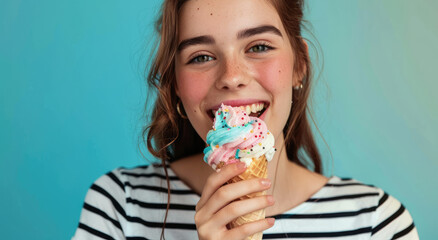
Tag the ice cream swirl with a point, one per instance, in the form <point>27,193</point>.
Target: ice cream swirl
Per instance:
<point>237,137</point>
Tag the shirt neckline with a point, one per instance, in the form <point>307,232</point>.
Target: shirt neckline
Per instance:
<point>296,209</point>
<point>321,192</point>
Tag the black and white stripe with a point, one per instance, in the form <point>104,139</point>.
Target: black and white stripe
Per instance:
<point>131,204</point>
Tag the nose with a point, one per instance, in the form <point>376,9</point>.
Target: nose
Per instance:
<point>233,75</point>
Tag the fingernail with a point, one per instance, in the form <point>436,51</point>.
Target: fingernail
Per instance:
<point>266,182</point>
<point>271,221</point>
<point>270,199</point>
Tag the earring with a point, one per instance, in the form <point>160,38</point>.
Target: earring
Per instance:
<point>299,87</point>
<point>179,110</point>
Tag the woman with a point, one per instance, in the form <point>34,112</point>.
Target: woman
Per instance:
<point>238,53</point>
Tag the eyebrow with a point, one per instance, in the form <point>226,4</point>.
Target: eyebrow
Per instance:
<point>258,30</point>
<point>194,41</point>
<point>207,39</point>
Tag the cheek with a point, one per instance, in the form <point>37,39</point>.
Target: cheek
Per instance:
<point>192,87</point>
<point>276,74</point>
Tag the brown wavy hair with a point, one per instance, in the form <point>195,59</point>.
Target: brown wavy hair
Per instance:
<point>170,137</point>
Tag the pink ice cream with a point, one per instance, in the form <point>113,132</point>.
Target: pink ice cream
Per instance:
<point>237,137</point>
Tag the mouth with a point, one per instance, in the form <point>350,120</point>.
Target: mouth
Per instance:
<point>253,110</point>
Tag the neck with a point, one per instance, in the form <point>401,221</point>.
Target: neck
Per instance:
<point>292,184</point>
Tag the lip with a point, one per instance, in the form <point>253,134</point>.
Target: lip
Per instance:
<point>240,102</point>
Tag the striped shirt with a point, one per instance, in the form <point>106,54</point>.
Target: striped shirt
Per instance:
<point>131,204</point>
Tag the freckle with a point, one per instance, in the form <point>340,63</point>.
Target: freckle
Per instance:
<point>195,110</point>
<point>198,9</point>
<point>279,71</point>
<point>211,14</point>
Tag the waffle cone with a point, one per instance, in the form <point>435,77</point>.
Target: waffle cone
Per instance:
<point>257,169</point>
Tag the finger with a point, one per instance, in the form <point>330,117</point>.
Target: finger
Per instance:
<point>240,208</point>
<point>216,180</point>
<point>249,229</point>
<point>231,192</point>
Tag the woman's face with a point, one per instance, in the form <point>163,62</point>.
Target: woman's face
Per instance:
<point>236,53</point>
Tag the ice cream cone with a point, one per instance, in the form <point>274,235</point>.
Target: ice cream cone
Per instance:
<point>257,169</point>
<point>237,136</point>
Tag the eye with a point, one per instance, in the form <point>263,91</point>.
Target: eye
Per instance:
<point>260,48</point>
<point>201,59</point>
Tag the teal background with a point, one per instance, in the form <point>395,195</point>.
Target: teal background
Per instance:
<point>72,95</point>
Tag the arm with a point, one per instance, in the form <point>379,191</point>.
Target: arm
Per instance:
<point>392,220</point>
<point>103,213</point>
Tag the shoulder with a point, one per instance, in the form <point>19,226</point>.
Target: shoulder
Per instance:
<point>387,215</point>
<point>338,188</point>
<point>116,182</point>
<point>151,174</point>
<point>121,185</point>
<point>105,212</point>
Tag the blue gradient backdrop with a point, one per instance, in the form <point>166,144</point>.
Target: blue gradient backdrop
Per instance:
<point>72,94</point>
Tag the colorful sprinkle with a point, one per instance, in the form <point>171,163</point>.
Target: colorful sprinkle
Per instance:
<point>236,156</point>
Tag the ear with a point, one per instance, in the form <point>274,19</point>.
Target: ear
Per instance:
<point>177,90</point>
<point>302,72</point>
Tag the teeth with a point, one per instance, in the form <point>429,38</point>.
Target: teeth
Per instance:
<point>253,108</point>
<point>248,109</point>
<point>260,107</point>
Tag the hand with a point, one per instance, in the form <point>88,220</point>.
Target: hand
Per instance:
<point>217,206</point>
